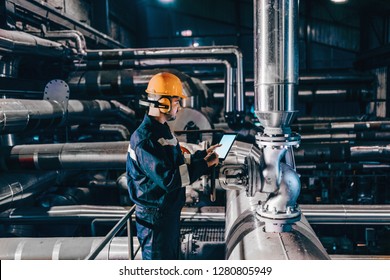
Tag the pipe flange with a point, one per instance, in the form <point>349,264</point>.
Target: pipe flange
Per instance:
<point>279,225</point>
<point>291,213</point>
<point>278,221</point>
<point>278,141</point>
<point>252,174</point>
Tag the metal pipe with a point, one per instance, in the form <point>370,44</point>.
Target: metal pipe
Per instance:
<point>341,152</point>
<point>85,156</point>
<point>121,182</point>
<point>346,166</point>
<point>331,119</point>
<point>347,136</point>
<point>334,95</point>
<point>76,248</point>
<point>93,254</point>
<point>342,126</point>
<point>142,63</point>
<point>360,257</point>
<point>74,35</point>
<point>7,140</point>
<point>17,42</point>
<point>45,12</point>
<point>18,115</point>
<point>344,78</point>
<point>275,86</point>
<point>204,52</point>
<point>322,81</point>
<point>347,214</point>
<point>276,61</point>
<point>16,188</point>
<point>123,110</point>
<point>314,213</point>
<point>82,213</point>
<point>372,153</point>
<point>63,248</point>
<point>9,66</point>
<point>101,83</point>
<point>117,131</point>
<point>20,88</point>
<point>247,239</point>
<point>87,213</point>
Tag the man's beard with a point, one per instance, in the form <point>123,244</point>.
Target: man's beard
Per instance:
<point>171,118</point>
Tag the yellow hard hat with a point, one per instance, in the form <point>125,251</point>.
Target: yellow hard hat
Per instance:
<point>165,84</point>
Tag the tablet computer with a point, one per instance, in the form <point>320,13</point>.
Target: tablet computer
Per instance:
<point>227,141</point>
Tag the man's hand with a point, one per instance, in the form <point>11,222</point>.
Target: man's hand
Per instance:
<point>212,157</point>
<point>212,148</point>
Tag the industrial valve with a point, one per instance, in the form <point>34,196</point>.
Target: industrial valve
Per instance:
<point>266,168</point>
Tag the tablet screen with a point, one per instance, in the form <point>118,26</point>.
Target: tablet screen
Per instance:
<point>227,141</point>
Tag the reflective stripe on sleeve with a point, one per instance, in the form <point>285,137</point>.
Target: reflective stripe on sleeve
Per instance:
<point>167,142</point>
<point>187,158</point>
<point>185,177</point>
<point>132,153</point>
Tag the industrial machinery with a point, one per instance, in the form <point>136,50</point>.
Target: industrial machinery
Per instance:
<point>293,186</point>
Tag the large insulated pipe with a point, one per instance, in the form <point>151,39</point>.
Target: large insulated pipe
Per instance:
<point>16,188</point>
<point>63,248</point>
<point>252,232</point>
<point>17,42</point>
<point>18,115</point>
<point>247,238</point>
<point>276,62</point>
<point>71,156</point>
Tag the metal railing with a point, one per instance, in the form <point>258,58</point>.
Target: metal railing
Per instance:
<point>125,220</point>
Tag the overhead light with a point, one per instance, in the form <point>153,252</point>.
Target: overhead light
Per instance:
<point>339,1</point>
<point>195,44</point>
<point>186,33</point>
<point>166,1</point>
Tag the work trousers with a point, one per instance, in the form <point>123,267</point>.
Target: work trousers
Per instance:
<point>158,233</point>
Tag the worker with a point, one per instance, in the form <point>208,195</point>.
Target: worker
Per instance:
<point>157,171</point>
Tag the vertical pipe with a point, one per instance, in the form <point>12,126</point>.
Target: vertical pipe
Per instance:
<point>276,61</point>
<point>276,79</point>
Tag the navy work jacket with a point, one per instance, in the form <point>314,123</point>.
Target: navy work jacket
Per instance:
<point>156,168</point>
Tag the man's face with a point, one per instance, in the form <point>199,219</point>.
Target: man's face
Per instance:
<point>175,106</point>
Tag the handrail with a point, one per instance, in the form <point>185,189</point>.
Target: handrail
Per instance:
<point>126,218</point>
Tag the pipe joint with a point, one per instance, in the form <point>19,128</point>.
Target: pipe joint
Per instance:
<point>280,180</point>
<point>280,210</point>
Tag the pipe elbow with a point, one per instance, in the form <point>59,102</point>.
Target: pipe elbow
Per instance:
<point>284,200</point>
